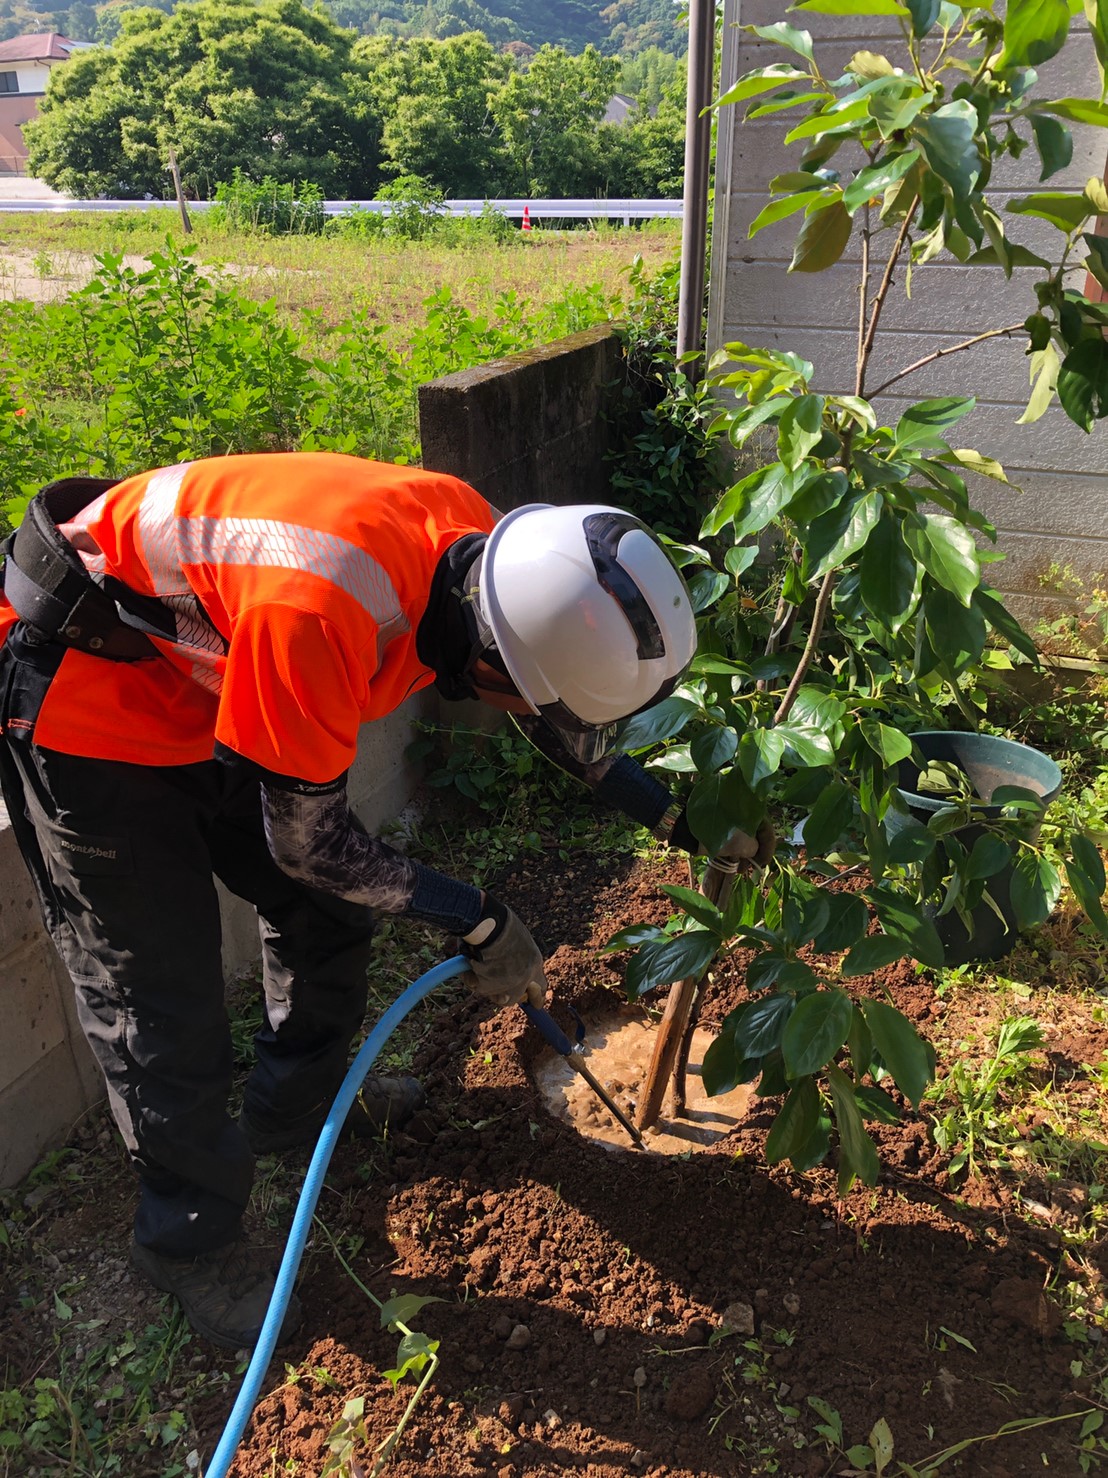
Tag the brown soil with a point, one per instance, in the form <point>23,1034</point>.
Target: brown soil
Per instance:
<point>610,1311</point>
<point>584,1290</point>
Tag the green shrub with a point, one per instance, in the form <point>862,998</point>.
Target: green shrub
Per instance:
<point>270,207</point>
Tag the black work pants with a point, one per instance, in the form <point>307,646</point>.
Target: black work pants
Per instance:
<point>123,858</point>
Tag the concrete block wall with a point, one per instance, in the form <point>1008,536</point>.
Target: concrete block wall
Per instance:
<point>526,429</point>
<point>529,428</point>
<point>1059,513</point>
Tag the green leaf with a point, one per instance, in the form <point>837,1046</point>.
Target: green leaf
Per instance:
<point>841,532</point>
<point>1004,623</point>
<point>778,210</point>
<point>829,818</point>
<point>904,1052</point>
<point>893,113</point>
<point>760,1023</point>
<point>822,239</point>
<point>800,427</point>
<point>875,1103</point>
<point>760,754</point>
<point>852,7</point>
<point>921,425</point>
<point>989,856</point>
<point>1066,209</point>
<point>413,1353</point>
<point>815,496</point>
<point>956,632</point>
<point>403,1307</point>
<point>1089,860</point>
<point>873,953</point>
<point>924,15</point>
<point>1083,382</point>
<point>877,178</point>
<point>723,1068</point>
<point>1035,890</point>
<point>888,575</point>
<point>1054,143</point>
<point>857,1155</point>
<point>751,503</point>
<point>815,1031</point>
<point>946,550</point>
<point>739,558</point>
<point>1034,31</point>
<point>786,35</point>
<point>702,909</point>
<point>762,80</point>
<point>901,918</point>
<point>805,745</point>
<point>847,924</point>
<point>949,139</point>
<point>828,120</point>
<point>1077,110</point>
<point>707,816</point>
<point>795,1123</point>
<point>911,844</point>
<point>664,961</point>
<point>975,462</point>
<point>1087,889</point>
<point>656,724</point>
<point>713,748</point>
<point>1097,261</point>
<point>891,744</point>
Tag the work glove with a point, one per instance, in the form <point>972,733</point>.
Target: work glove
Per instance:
<point>740,846</point>
<point>505,965</point>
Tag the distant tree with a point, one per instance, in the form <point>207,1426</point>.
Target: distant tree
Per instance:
<point>263,87</point>
<point>637,25</point>
<point>647,74</point>
<point>548,116</point>
<point>431,100</point>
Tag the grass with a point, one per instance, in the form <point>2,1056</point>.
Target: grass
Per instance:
<point>335,275</point>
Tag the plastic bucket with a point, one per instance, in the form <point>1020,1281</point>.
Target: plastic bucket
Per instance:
<point>988,763</point>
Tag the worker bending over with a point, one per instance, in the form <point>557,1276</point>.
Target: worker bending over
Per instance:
<point>187,658</point>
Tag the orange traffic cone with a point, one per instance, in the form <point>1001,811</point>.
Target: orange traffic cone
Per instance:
<point>525,225</point>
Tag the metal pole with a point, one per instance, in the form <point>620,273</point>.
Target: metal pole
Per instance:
<point>698,149</point>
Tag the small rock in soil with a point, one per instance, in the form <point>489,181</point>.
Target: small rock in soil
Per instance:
<point>519,1338</point>
<point>792,1303</point>
<point>639,1377</point>
<point>639,1459</point>
<point>738,1318</point>
<point>503,1327</point>
<point>599,1336</point>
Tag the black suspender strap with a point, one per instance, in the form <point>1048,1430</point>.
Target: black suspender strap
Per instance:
<point>50,589</point>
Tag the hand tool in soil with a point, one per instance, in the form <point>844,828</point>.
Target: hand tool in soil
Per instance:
<point>574,1054</point>
<point>671,1047</point>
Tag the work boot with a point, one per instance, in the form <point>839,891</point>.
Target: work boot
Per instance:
<point>382,1103</point>
<point>224,1294</point>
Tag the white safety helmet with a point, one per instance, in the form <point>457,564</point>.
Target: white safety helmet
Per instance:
<point>589,615</point>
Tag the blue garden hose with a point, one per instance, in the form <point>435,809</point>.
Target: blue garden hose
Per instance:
<point>305,1207</point>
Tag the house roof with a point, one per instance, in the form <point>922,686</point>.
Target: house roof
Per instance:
<point>43,46</point>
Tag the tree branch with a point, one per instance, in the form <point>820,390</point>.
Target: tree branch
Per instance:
<point>819,616</point>
<point>993,333</point>
<point>883,292</point>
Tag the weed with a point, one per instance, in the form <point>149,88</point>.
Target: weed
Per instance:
<point>978,1122</point>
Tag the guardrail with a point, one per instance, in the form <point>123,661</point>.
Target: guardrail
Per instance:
<point>538,210</point>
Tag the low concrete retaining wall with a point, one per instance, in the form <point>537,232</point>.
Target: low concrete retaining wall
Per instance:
<point>529,428</point>
<point>525,429</point>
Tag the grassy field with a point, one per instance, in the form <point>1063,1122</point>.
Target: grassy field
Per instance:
<point>47,254</point>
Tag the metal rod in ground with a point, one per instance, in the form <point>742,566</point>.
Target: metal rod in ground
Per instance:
<point>605,1098</point>
<point>176,173</point>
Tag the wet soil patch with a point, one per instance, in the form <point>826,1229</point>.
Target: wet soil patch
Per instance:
<point>607,1312</point>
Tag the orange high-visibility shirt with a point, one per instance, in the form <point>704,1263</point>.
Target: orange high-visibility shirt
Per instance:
<point>312,571</point>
